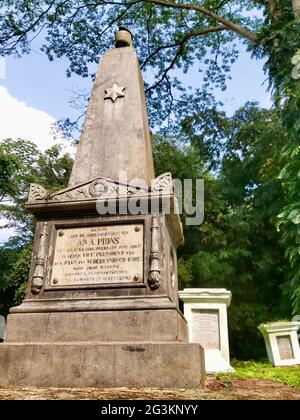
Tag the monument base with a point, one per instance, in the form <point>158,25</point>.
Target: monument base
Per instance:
<point>216,363</point>
<point>163,365</point>
<point>106,326</point>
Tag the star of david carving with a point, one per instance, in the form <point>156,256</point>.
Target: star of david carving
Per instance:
<point>114,92</point>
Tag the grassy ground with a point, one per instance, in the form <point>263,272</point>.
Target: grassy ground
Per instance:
<point>263,370</point>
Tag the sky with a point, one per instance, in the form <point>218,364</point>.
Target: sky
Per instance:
<point>34,93</point>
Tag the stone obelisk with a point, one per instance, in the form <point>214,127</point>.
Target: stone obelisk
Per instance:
<point>115,135</point>
<point>101,307</point>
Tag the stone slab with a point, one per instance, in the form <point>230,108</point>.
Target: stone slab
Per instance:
<point>106,326</point>
<point>96,303</point>
<point>98,254</point>
<point>206,328</point>
<point>167,365</point>
<point>285,347</point>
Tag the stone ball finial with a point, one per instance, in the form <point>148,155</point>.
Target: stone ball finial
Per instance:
<point>123,37</point>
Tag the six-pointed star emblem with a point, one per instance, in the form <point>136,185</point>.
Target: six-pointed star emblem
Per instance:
<point>114,92</point>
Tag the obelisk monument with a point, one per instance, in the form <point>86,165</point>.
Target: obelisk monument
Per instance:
<point>101,307</point>
<point>116,135</point>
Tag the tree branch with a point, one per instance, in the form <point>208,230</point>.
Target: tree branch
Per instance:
<point>170,66</point>
<point>129,6</point>
<point>205,31</point>
<point>245,33</point>
<point>169,86</point>
<point>22,33</point>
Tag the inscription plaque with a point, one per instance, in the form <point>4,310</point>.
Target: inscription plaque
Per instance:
<point>285,347</point>
<point>205,328</point>
<point>97,255</point>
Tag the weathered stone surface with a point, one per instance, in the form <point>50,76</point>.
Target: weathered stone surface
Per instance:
<point>102,188</point>
<point>206,314</point>
<point>106,326</point>
<point>102,306</point>
<point>115,136</point>
<point>169,365</point>
<point>206,328</point>
<point>282,342</point>
<point>75,295</point>
<point>285,347</point>
<point>98,254</point>
<point>91,303</point>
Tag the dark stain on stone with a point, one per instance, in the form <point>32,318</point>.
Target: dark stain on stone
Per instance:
<point>134,349</point>
<point>76,371</point>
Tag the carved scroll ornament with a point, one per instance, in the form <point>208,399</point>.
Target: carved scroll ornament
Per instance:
<point>154,278</point>
<point>37,193</point>
<point>37,281</point>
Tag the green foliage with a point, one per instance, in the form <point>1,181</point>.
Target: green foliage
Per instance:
<point>238,246</point>
<point>18,161</point>
<point>25,165</point>
<point>50,169</point>
<point>286,375</point>
<point>185,276</point>
<point>166,39</point>
<point>280,45</point>
<point>15,277</point>
<point>25,155</point>
<point>8,165</point>
<point>171,156</point>
<point>7,260</point>
<point>289,219</point>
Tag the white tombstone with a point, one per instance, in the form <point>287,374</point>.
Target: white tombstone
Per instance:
<point>282,342</point>
<point>2,327</point>
<point>206,313</point>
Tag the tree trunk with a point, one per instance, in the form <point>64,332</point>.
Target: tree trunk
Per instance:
<point>272,5</point>
<point>274,11</point>
<point>296,8</point>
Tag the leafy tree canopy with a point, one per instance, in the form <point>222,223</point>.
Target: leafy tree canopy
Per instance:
<point>238,246</point>
<point>168,36</point>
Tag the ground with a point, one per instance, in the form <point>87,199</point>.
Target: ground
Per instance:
<point>251,381</point>
<point>215,389</point>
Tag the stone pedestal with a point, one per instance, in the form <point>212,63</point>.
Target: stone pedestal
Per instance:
<point>115,326</point>
<point>206,314</point>
<point>282,342</point>
<point>163,365</point>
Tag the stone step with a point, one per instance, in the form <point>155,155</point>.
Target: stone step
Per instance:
<point>166,365</point>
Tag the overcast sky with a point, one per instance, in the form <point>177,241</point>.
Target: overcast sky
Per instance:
<point>34,93</point>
